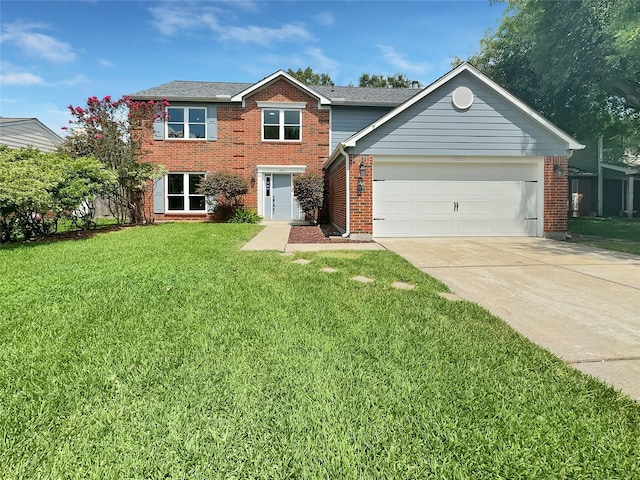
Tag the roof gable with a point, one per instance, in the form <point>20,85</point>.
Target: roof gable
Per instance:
<point>280,74</point>
<point>534,116</point>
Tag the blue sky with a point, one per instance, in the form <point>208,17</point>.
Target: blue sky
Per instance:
<point>59,53</point>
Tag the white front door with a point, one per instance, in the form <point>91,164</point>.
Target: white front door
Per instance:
<point>278,197</point>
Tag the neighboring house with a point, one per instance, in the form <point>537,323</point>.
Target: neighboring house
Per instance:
<point>28,132</point>
<point>460,157</point>
<point>603,188</point>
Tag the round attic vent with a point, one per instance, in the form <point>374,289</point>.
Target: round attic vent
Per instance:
<point>462,98</point>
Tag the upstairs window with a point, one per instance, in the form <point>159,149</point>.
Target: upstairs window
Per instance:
<point>182,195</point>
<point>281,125</point>
<point>187,122</point>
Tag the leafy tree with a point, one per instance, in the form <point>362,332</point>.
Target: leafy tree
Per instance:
<point>397,80</point>
<point>309,77</point>
<point>37,189</point>
<point>309,190</point>
<point>577,62</point>
<point>113,132</point>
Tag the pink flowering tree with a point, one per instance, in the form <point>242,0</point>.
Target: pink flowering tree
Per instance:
<point>113,131</point>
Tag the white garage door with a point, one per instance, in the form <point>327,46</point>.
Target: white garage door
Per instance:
<point>459,199</point>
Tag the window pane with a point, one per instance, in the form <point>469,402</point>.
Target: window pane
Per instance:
<point>271,117</point>
<point>291,117</point>
<point>292,133</point>
<point>176,130</point>
<point>196,130</point>
<point>176,203</point>
<point>175,183</point>
<point>194,180</point>
<point>197,115</point>
<point>176,114</point>
<point>271,133</point>
<point>196,202</point>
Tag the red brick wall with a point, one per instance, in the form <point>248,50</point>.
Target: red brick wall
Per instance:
<point>361,203</point>
<point>240,148</point>
<point>555,195</point>
<point>336,194</point>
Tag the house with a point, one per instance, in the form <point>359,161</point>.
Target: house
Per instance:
<point>603,187</point>
<point>28,132</point>
<point>459,157</point>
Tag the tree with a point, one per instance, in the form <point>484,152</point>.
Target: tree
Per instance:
<point>113,132</point>
<point>37,189</point>
<point>397,80</point>
<point>576,62</point>
<point>309,190</point>
<point>309,77</point>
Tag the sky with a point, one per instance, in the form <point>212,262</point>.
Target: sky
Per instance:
<point>59,53</point>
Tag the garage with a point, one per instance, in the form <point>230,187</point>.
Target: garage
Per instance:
<point>461,158</point>
<point>468,198</point>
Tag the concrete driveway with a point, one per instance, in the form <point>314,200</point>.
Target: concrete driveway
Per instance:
<point>579,302</point>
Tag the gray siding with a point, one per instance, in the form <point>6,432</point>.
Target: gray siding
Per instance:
<point>586,159</point>
<point>492,126</point>
<point>28,133</point>
<point>345,121</point>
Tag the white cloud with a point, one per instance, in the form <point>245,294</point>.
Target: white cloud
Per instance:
<point>173,19</point>
<point>325,18</point>
<point>105,63</point>
<point>398,60</point>
<point>321,62</point>
<point>265,35</point>
<point>23,79</point>
<point>35,44</point>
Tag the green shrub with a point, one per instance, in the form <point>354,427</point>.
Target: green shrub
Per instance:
<point>309,190</point>
<point>227,188</point>
<point>245,216</point>
<point>37,189</point>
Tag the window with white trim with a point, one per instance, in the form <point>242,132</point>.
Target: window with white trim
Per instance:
<point>283,125</point>
<point>187,122</point>
<point>182,192</point>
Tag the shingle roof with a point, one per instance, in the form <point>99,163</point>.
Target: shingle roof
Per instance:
<point>218,91</point>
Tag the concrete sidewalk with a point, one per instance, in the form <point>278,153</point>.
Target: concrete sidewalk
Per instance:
<point>275,236</point>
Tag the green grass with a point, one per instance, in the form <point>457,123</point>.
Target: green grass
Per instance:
<point>611,233</point>
<point>165,352</point>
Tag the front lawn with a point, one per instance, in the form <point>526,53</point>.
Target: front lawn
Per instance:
<point>165,352</point>
<point>612,233</point>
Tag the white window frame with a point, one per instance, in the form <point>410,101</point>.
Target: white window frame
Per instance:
<point>185,194</point>
<point>186,123</point>
<point>281,107</point>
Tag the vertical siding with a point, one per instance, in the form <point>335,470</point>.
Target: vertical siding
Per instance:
<point>491,126</point>
<point>28,133</point>
<point>345,121</point>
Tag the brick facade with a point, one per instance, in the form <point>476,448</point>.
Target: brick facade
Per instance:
<point>239,148</point>
<point>335,186</point>
<point>555,196</point>
<point>361,203</point>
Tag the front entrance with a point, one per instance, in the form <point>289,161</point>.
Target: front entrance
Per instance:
<point>278,197</point>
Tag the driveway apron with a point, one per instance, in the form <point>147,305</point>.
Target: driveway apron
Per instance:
<point>580,303</point>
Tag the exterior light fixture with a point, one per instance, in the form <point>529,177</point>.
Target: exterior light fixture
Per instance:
<point>360,188</point>
<point>558,170</point>
<point>362,169</point>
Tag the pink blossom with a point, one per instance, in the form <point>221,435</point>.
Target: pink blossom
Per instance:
<point>97,136</point>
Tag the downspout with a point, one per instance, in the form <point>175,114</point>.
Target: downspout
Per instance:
<point>348,192</point>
